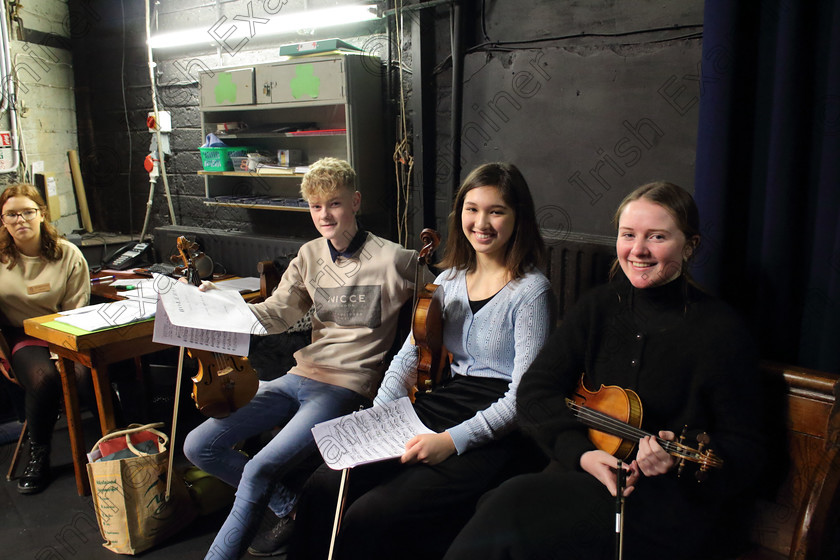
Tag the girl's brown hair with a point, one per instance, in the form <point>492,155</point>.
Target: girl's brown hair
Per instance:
<point>679,203</point>
<point>525,249</point>
<point>50,249</point>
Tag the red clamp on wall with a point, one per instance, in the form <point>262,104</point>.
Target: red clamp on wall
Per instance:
<point>149,163</point>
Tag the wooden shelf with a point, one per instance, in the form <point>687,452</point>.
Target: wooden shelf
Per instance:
<point>269,134</point>
<point>248,174</point>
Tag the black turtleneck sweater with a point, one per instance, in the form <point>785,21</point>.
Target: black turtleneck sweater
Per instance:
<point>691,361</point>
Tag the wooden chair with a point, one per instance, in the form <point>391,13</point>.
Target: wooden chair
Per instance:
<point>800,522</point>
<point>6,370</point>
<point>269,278</point>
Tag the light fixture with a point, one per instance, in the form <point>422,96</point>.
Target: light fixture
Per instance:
<point>234,32</point>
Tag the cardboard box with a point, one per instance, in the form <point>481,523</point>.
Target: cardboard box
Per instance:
<point>48,186</point>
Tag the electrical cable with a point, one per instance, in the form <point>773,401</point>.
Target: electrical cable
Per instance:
<point>484,21</point>
<point>403,158</point>
<point>127,124</point>
<point>515,45</point>
<point>585,34</point>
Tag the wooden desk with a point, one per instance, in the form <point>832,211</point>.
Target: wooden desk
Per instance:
<point>95,350</point>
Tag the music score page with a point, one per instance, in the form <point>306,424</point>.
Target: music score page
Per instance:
<point>367,436</point>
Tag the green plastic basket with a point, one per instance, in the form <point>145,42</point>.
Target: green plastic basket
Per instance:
<point>218,159</point>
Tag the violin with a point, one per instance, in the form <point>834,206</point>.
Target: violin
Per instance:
<point>223,383</point>
<point>427,320</point>
<point>614,417</point>
<point>196,265</point>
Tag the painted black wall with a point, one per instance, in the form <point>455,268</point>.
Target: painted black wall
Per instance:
<point>595,98</point>
<point>592,100</point>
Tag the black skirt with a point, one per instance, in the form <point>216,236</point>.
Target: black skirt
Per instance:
<point>458,400</point>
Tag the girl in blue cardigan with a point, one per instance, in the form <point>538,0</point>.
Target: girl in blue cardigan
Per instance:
<point>497,315</point>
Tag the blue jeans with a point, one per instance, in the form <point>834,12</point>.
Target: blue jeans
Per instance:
<point>296,403</point>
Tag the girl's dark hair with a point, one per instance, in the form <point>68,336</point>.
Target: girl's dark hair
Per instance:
<point>525,249</point>
<point>50,249</point>
<point>679,203</point>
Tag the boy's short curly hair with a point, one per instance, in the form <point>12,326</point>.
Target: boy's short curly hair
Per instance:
<point>325,177</point>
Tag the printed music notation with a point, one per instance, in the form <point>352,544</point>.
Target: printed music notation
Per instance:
<point>367,436</point>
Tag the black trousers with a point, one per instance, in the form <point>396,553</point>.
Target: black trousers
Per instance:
<point>541,516</point>
<point>407,512</point>
<point>562,515</point>
<point>41,382</point>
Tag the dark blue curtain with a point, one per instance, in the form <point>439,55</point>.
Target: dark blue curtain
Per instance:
<point>768,172</point>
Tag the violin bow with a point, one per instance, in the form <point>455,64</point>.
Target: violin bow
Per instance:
<point>339,509</point>
<point>174,424</point>
<point>621,478</point>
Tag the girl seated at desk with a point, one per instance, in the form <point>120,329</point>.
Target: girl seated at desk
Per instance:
<point>40,274</point>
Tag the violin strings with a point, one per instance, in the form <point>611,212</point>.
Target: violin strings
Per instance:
<point>596,419</point>
<point>600,421</point>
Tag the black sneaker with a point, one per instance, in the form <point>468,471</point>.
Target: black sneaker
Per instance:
<point>36,477</point>
<point>274,540</point>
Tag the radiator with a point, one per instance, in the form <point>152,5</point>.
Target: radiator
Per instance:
<point>575,266</point>
<point>232,252</point>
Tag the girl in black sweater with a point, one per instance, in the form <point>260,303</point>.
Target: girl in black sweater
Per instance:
<point>690,360</point>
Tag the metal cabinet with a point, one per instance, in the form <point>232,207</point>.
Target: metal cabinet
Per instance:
<point>312,106</point>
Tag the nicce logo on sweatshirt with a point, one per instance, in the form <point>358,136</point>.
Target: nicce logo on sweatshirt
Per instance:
<point>350,306</point>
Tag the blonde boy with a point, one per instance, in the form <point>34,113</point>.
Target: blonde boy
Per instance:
<point>357,283</point>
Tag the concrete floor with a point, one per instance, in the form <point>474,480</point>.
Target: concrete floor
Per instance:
<point>58,524</point>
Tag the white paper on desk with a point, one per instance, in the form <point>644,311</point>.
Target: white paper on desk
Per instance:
<point>186,306</point>
<point>138,283</point>
<point>370,435</point>
<point>147,293</point>
<point>108,315</point>
<point>235,344</point>
<point>242,285</point>
<point>78,310</point>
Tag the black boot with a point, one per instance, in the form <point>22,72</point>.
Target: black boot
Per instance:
<point>36,477</point>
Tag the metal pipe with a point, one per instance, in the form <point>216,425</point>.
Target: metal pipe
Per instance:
<point>8,93</point>
<point>161,155</point>
<point>457,95</point>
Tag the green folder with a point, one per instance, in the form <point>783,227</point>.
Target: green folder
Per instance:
<point>76,331</point>
<point>313,47</point>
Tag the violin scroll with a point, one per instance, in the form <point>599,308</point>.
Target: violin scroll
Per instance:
<point>702,456</point>
<point>196,265</point>
<point>430,240</point>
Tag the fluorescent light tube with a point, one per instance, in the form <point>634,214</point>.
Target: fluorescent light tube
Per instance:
<point>232,33</point>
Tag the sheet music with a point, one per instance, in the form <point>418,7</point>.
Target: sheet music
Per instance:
<point>235,344</point>
<point>187,306</point>
<point>370,435</point>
